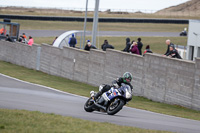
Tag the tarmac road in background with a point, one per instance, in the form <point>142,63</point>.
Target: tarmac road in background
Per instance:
<point>16,94</point>
<point>52,33</point>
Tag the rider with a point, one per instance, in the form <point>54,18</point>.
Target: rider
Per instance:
<point>126,79</point>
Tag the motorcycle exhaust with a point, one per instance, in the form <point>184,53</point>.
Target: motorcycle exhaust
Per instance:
<point>100,106</point>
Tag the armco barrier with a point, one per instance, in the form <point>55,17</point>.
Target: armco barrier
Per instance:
<point>155,77</point>
<point>81,19</point>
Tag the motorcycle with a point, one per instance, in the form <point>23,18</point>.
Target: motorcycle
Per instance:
<point>183,33</point>
<point>111,101</point>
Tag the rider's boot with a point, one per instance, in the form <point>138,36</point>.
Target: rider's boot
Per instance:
<point>97,95</point>
<point>104,89</point>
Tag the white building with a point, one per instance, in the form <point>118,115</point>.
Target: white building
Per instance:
<point>193,44</point>
<point>182,50</point>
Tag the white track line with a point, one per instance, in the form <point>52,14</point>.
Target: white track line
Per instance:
<point>42,86</point>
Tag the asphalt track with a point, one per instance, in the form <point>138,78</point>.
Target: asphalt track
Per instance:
<point>52,33</point>
<point>16,94</point>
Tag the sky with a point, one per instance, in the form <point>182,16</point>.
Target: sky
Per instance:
<point>104,4</point>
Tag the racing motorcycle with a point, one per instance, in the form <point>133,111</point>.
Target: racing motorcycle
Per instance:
<point>111,101</point>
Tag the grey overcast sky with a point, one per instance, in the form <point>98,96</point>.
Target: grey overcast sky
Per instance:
<point>104,4</point>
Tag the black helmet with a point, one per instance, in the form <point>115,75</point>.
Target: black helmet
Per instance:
<point>127,77</point>
<point>128,40</point>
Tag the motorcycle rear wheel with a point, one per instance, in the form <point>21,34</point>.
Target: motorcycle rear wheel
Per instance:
<point>114,108</point>
<point>89,105</point>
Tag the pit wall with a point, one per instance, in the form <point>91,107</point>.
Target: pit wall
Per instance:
<point>158,78</point>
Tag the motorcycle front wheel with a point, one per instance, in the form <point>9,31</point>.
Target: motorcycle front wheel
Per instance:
<point>115,106</point>
<point>89,105</point>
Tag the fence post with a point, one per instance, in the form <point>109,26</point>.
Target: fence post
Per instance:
<point>38,58</point>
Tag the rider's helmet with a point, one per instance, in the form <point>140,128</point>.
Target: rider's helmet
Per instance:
<point>127,77</point>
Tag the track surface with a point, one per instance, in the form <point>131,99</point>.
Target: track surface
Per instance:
<point>16,94</point>
<point>52,33</point>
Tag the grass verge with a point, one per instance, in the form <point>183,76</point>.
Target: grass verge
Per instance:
<point>84,89</point>
<point>20,121</point>
<point>60,25</point>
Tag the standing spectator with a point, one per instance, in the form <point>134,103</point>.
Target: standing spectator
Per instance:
<point>8,38</point>
<point>88,46</point>
<point>140,45</point>
<point>24,35</point>
<point>173,53</point>
<point>24,40</point>
<point>134,48</point>
<point>148,49</point>
<point>106,45</point>
<point>168,42</point>
<point>30,41</point>
<point>103,44</point>
<point>72,41</point>
<point>128,44</point>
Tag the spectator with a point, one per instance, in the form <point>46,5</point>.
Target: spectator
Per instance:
<point>20,38</point>
<point>134,48</point>
<point>128,44</point>
<point>140,45</point>
<point>173,53</point>
<point>30,41</point>
<point>88,46</point>
<point>103,44</point>
<point>106,45</point>
<point>24,40</point>
<point>2,31</point>
<point>147,50</point>
<point>72,41</point>
<point>168,42</point>
<point>8,38</point>
<point>24,35</point>
<point>54,40</point>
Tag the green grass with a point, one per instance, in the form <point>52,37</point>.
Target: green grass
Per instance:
<point>21,121</point>
<point>84,89</point>
<point>157,44</point>
<point>45,79</point>
<point>40,40</point>
<point>60,25</point>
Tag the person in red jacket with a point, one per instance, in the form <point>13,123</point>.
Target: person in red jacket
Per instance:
<point>148,50</point>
